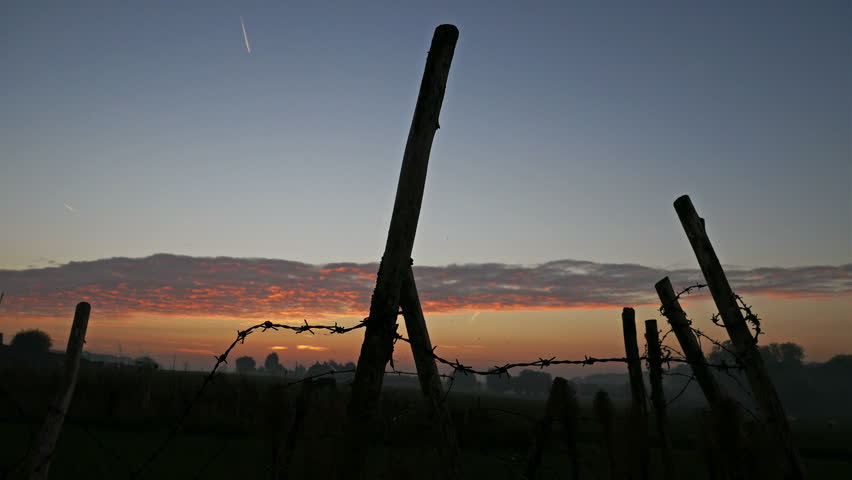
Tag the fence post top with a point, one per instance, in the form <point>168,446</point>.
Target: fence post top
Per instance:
<point>447,29</point>
<point>682,200</point>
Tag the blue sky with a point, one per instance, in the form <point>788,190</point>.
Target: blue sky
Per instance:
<point>568,130</point>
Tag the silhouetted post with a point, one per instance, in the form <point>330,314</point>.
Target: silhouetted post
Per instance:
<point>637,388</point>
<point>658,397</point>
<point>562,407</point>
<point>49,434</point>
<point>745,346</point>
<point>427,373</point>
<point>605,412</point>
<point>377,347</point>
<point>688,343</point>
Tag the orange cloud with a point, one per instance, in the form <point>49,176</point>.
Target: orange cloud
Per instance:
<point>254,289</point>
<point>312,348</point>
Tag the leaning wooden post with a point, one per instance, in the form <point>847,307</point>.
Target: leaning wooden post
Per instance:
<point>427,373</point>
<point>745,345</point>
<point>377,348</point>
<point>637,388</point>
<point>688,343</point>
<point>46,442</point>
<point>658,397</point>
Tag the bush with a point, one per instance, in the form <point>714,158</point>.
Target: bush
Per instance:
<point>32,341</point>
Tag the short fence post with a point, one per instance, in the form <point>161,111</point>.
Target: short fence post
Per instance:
<point>745,344</point>
<point>561,406</point>
<point>48,436</point>
<point>658,397</point>
<point>427,373</point>
<point>605,412</point>
<point>639,411</point>
<point>691,349</point>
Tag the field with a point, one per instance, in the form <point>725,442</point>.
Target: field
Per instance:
<point>258,427</point>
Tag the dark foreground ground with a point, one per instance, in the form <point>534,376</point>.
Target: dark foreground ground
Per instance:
<point>253,427</point>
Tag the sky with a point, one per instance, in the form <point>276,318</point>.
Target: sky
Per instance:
<point>145,148</point>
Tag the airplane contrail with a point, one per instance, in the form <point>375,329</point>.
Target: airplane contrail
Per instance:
<point>68,207</point>
<point>245,35</point>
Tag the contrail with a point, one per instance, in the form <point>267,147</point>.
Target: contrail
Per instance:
<point>245,36</point>
<point>68,207</point>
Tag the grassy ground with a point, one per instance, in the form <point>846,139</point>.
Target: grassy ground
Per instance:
<point>243,427</point>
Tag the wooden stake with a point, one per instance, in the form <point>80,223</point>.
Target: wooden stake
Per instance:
<point>637,389</point>
<point>427,373</point>
<point>48,436</point>
<point>745,346</point>
<point>377,348</point>
<point>658,396</point>
<point>688,343</point>
<point>384,305</point>
<point>562,407</point>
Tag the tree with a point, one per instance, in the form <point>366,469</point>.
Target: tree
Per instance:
<point>784,354</point>
<point>146,362</point>
<point>272,366</point>
<point>463,382</point>
<point>245,365</point>
<point>498,383</point>
<point>32,341</point>
<point>533,382</point>
<point>318,369</point>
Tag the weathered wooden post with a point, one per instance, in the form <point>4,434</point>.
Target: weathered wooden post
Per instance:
<point>427,373</point>
<point>639,410</point>
<point>688,343</point>
<point>765,395</point>
<point>605,412</point>
<point>562,406</point>
<point>42,455</point>
<point>658,396</point>
<point>377,348</point>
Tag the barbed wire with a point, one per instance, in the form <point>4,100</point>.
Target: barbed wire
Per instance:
<point>671,355</point>
<point>690,379</point>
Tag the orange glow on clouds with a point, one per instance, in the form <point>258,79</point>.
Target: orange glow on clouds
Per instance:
<point>167,304</point>
<point>313,348</point>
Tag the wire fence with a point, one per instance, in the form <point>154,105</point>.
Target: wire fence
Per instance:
<point>671,356</point>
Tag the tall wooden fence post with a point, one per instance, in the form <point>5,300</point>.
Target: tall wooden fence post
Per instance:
<point>377,348</point>
<point>46,442</point>
<point>766,397</point>
<point>639,410</point>
<point>427,373</point>
<point>658,396</point>
<point>688,343</point>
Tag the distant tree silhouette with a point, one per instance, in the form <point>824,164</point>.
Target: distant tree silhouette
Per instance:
<point>272,366</point>
<point>146,362</point>
<point>839,364</point>
<point>499,383</point>
<point>32,341</point>
<point>784,354</point>
<point>245,365</point>
<point>532,382</point>
<point>464,382</point>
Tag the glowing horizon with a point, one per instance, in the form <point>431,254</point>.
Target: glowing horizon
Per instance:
<point>170,306</point>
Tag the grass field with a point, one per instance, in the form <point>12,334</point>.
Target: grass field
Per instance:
<point>245,427</point>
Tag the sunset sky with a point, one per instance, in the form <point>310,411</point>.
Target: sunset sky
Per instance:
<point>187,187</point>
